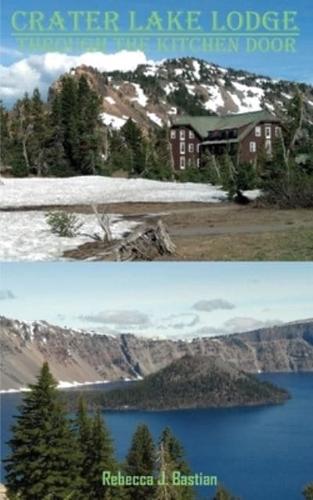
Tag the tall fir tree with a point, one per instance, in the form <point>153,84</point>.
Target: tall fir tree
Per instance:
<point>140,461</point>
<point>223,494</point>
<point>174,451</point>
<point>134,142</point>
<point>44,460</point>
<point>89,128</point>
<point>308,492</point>
<point>99,457</point>
<point>5,140</point>
<point>165,489</point>
<point>83,428</point>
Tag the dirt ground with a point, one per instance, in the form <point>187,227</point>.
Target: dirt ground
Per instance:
<point>220,231</point>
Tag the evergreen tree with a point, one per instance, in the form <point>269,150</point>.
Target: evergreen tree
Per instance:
<point>165,489</point>
<point>174,453</point>
<point>99,457</point>
<point>88,128</point>
<point>83,428</point>
<point>44,461</point>
<point>70,120</point>
<point>58,162</point>
<point>5,140</point>
<point>21,130</point>
<point>38,136</point>
<point>223,494</point>
<point>134,143</point>
<point>140,461</point>
<point>308,492</point>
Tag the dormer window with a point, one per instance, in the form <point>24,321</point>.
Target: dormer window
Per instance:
<point>258,131</point>
<point>182,135</point>
<point>191,134</point>
<point>173,134</point>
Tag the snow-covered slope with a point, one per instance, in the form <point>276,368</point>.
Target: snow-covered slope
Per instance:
<point>35,192</point>
<point>154,92</point>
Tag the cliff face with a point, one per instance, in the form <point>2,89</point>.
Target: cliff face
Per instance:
<point>76,355</point>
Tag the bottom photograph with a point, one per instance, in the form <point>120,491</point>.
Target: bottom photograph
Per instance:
<point>156,381</point>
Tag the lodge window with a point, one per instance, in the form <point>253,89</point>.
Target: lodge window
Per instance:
<point>173,134</point>
<point>268,132</point>
<point>198,162</point>
<point>252,147</point>
<point>182,148</point>
<point>182,162</point>
<point>182,135</point>
<point>191,148</point>
<point>258,131</point>
<point>191,134</point>
<point>277,131</point>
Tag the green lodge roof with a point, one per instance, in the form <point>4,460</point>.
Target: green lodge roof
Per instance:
<point>204,124</point>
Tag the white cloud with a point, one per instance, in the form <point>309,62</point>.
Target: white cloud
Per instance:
<point>212,305</point>
<point>123,318</point>
<point>41,70</point>
<point>235,325</point>
<point>179,321</point>
<point>7,51</point>
<point>246,324</point>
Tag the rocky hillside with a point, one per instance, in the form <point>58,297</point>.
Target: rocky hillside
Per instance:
<point>153,93</point>
<point>192,382</point>
<point>76,355</point>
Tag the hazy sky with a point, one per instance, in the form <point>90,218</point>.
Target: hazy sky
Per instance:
<point>22,71</point>
<point>158,299</point>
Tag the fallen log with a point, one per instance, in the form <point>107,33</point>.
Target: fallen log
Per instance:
<point>147,242</point>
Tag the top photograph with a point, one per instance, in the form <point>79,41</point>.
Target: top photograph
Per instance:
<point>156,131</point>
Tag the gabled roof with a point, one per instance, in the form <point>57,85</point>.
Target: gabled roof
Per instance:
<point>204,124</point>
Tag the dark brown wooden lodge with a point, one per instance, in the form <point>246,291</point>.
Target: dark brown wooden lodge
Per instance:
<point>246,135</point>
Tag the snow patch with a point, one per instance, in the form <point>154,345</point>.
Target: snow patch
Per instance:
<point>110,100</point>
<point>155,118</point>
<point>141,97</point>
<point>27,236</point>
<point>112,121</point>
<point>85,190</point>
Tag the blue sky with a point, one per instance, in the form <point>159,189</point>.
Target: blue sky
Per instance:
<point>159,299</point>
<point>280,65</point>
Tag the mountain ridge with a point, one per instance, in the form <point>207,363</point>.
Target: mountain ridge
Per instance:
<point>154,92</point>
<point>76,355</point>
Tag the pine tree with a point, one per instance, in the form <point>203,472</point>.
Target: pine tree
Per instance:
<point>88,128</point>
<point>37,139</point>
<point>165,489</point>
<point>222,494</point>
<point>44,455</point>
<point>308,492</point>
<point>21,129</point>
<point>83,429</point>
<point>134,142</point>
<point>58,162</point>
<point>99,457</point>
<point>140,461</point>
<point>174,451</point>
<point>5,140</point>
<point>70,120</point>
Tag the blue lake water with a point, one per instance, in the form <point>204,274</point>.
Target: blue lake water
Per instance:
<point>260,453</point>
